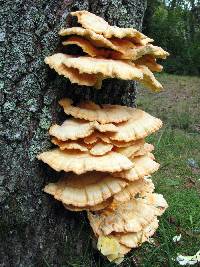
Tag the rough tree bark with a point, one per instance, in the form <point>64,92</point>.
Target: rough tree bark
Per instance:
<point>34,227</point>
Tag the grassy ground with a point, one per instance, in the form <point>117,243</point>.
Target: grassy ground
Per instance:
<point>179,140</point>
<point>175,143</point>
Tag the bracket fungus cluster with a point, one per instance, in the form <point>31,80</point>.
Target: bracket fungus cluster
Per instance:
<point>101,150</point>
<point>107,166</point>
<point>110,52</point>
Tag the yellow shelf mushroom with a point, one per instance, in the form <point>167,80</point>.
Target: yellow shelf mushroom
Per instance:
<point>102,148</point>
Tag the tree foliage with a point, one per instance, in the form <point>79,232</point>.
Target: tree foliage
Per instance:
<point>174,25</point>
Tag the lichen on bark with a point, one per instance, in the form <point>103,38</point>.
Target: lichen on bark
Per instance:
<point>33,227</point>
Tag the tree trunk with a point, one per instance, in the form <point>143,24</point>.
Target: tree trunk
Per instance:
<point>35,229</point>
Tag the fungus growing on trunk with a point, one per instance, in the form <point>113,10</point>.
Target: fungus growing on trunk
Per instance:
<point>102,148</point>
<point>110,52</point>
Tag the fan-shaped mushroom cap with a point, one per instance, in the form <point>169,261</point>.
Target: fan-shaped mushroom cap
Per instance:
<point>95,137</point>
<point>134,240</point>
<point>126,49</point>
<point>138,148</point>
<point>132,149</point>
<point>150,62</point>
<point>139,126</point>
<point>140,186</point>
<point>108,68</point>
<point>97,40</point>
<point>88,189</point>
<point>103,114</point>
<point>123,143</point>
<point>130,216</point>
<point>73,129</point>
<point>56,62</point>
<point>97,149</point>
<point>143,166</point>
<point>97,207</point>
<point>100,149</point>
<point>62,160</point>
<point>145,149</point>
<point>149,79</point>
<point>99,25</point>
<point>123,49</point>
<point>71,145</point>
<point>92,50</point>
<point>159,202</point>
<point>136,52</point>
<point>79,68</point>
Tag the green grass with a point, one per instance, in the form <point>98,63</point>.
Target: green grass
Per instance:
<point>179,140</point>
<point>175,143</point>
<point>179,184</point>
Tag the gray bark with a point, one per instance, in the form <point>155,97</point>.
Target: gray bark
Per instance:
<point>33,226</point>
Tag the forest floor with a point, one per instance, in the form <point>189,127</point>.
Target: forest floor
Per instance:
<point>177,149</point>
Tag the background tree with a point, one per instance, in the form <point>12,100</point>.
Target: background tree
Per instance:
<point>174,25</point>
<point>33,227</point>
